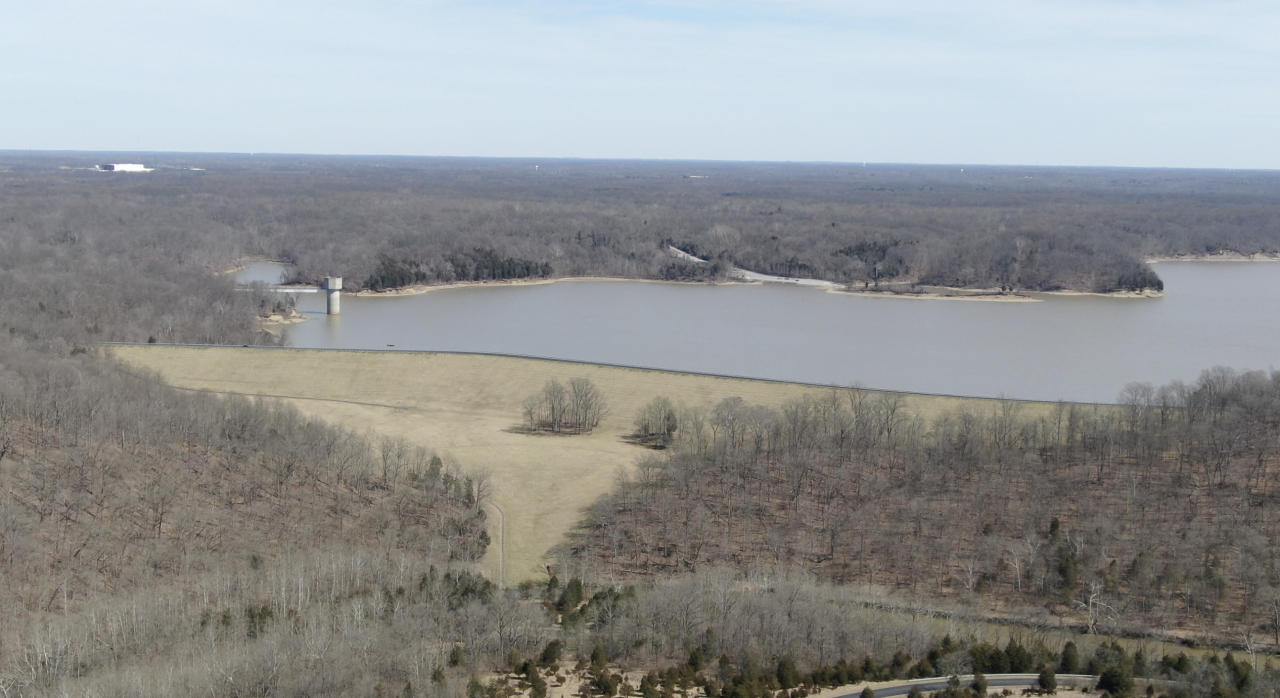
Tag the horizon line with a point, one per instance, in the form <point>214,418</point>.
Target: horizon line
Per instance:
<point>534,159</point>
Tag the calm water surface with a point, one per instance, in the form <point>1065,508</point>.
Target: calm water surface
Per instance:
<point>265,272</point>
<point>1073,348</point>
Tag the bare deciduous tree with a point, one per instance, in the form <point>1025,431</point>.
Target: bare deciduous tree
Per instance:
<point>577,409</point>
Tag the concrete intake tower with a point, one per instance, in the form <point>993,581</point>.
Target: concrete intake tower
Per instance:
<point>333,288</point>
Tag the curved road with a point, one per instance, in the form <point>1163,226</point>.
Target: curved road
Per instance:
<point>993,681</point>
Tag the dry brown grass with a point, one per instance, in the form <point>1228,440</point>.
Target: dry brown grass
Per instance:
<point>465,406</point>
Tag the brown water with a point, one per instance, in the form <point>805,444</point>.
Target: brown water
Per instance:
<point>1074,348</point>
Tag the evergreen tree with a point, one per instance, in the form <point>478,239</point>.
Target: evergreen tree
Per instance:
<point>898,665</point>
<point>649,686</point>
<point>988,658</point>
<point>1116,681</point>
<point>1070,663</point>
<point>571,597</point>
<point>979,684</point>
<point>696,659</point>
<point>1020,660</point>
<point>551,653</point>
<point>788,675</point>
<point>1048,680</point>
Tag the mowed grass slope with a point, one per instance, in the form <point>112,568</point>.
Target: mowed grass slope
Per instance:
<point>465,406</point>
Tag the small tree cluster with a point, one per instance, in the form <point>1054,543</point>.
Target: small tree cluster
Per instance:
<point>559,409</point>
<point>656,422</point>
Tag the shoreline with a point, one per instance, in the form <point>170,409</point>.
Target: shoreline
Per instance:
<point>981,296</point>
<point>285,319</point>
<point>1146,293</point>
<point>926,292</point>
<point>754,278</point>
<point>946,293</point>
<point>1224,256</point>
<point>419,289</point>
<point>275,323</point>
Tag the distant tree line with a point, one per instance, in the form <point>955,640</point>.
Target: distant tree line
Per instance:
<point>477,265</point>
<point>386,224</point>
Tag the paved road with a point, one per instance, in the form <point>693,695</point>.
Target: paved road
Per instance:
<point>993,681</point>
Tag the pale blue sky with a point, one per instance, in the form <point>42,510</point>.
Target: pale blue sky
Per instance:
<point>1177,83</point>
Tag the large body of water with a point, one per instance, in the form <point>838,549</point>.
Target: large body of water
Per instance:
<point>1074,348</point>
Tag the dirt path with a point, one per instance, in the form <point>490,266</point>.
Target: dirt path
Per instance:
<point>502,544</point>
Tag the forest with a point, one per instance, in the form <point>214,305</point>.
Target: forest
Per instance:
<point>390,222</point>
<point>158,542</point>
<point>1159,515</point>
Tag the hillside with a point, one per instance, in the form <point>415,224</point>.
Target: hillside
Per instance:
<point>469,409</point>
<point>143,527</point>
<point>1149,517</point>
<point>1159,515</point>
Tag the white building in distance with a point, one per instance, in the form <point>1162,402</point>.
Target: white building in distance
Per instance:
<point>124,167</point>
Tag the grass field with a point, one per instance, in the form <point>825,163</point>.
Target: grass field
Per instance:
<point>465,406</point>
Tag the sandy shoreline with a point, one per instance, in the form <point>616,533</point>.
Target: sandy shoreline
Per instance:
<point>960,295</point>
<point>1148,293</point>
<point>284,320</point>
<point>992,297</point>
<point>420,289</point>
<point>274,323</point>
<point>942,293</point>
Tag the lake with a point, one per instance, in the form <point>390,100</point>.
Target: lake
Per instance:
<point>1083,348</point>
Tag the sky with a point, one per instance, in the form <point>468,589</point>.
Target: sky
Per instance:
<point>1160,83</point>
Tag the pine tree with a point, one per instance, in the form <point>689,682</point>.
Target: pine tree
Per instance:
<point>1070,663</point>
<point>1048,680</point>
<point>980,684</point>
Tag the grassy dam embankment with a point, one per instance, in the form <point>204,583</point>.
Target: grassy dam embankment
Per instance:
<point>468,407</point>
